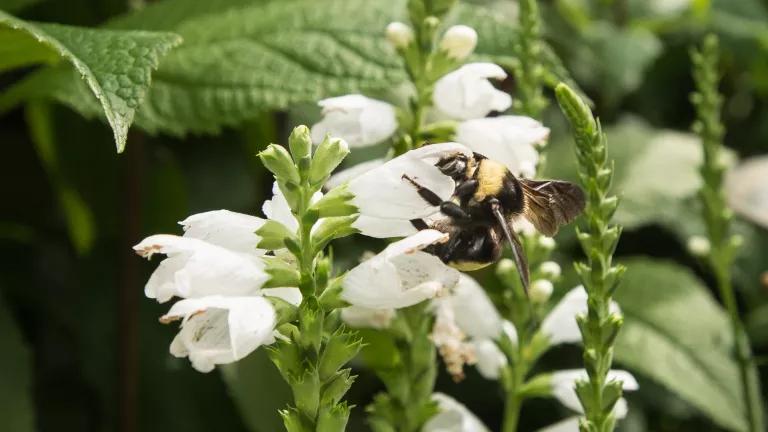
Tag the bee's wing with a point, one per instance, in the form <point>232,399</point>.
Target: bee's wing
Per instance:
<point>550,204</point>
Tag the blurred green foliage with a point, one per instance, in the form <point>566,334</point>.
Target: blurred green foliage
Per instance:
<point>71,309</point>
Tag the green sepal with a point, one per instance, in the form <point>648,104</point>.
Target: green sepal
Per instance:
<point>612,391</point>
<point>328,156</point>
<point>286,312</point>
<point>332,228</point>
<point>612,278</point>
<point>273,235</point>
<point>340,348</point>
<point>281,273</point>
<point>293,421</point>
<point>300,142</point>
<point>287,357</point>
<point>611,328</point>
<point>538,386</point>
<point>583,390</point>
<point>291,192</point>
<point>306,392</point>
<point>293,246</point>
<point>279,162</point>
<point>337,386</point>
<point>330,298</point>
<point>337,202</point>
<point>334,419</point>
<point>311,325</point>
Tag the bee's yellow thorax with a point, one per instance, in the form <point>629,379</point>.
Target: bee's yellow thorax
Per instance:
<point>490,177</point>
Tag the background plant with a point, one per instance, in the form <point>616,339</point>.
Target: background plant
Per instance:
<point>72,209</point>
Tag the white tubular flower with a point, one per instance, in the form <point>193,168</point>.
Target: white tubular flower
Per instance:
<point>348,174</point>
<point>363,317</point>
<point>540,291</point>
<point>401,275</point>
<point>195,268</point>
<point>510,331</point>
<point>387,201</point>
<point>459,41</point>
<point>466,92</point>
<point>452,417</point>
<point>358,120</point>
<point>699,245</point>
<point>218,330</point>
<point>551,269</point>
<point>560,324</point>
<point>489,358</point>
<point>511,140</point>
<point>400,35</point>
<point>475,313</point>
<point>288,294</point>
<point>563,387</point>
<point>231,230</point>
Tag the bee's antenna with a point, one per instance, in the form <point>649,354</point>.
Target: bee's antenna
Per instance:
<point>517,248</point>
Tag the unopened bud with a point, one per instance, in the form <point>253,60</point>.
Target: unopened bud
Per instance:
<point>506,265</point>
<point>399,34</point>
<point>540,291</point>
<point>459,41</point>
<point>547,243</point>
<point>328,156</point>
<point>551,269</point>
<point>699,246</point>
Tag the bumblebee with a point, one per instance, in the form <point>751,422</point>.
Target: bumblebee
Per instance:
<point>486,200</point>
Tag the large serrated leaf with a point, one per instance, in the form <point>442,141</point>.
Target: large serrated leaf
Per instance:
<point>242,58</point>
<point>677,335</point>
<point>115,65</point>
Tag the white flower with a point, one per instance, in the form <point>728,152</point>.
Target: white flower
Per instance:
<point>508,139</point>
<point>277,208</point>
<point>217,330</point>
<point>452,417</point>
<point>363,317</point>
<point>540,291</point>
<point>475,313</point>
<point>547,243</point>
<point>551,269</point>
<point>348,174</point>
<point>400,35</point>
<point>289,294</point>
<point>563,387</point>
<point>466,92</point>
<point>699,245</point>
<point>234,231</point>
<point>195,268</point>
<point>387,202</point>
<point>490,359</point>
<point>560,324</point>
<point>459,41</point>
<point>358,120</point>
<point>570,424</point>
<point>401,275</point>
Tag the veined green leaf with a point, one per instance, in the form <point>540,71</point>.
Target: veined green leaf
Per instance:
<point>242,58</point>
<point>677,335</point>
<point>115,65</point>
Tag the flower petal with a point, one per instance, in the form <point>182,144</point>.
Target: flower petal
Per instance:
<point>277,208</point>
<point>195,268</point>
<point>563,385</point>
<point>348,174</point>
<point>475,313</point>
<point>560,324</point>
<point>384,193</point>
<point>234,231</point>
<point>452,417</point>
<point>400,276</point>
<point>383,228</point>
<point>489,357</point>
<point>288,294</point>
<point>219,330</point>
<point>509,140</point>
<point>359,120</point>
<point>466,92</point>
<point>363,317</point>
<point>570,424</point>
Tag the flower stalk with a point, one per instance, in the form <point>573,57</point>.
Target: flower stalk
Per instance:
<point>599,276</point>
<point>315,349</point>
<point>721,252</point>
<point>528,69</point>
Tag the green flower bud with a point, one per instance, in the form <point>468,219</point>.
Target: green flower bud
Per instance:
<point>332,228</point>
<point>337,202</point>
<point>278,161</point>
<point>331,298</point>
<point>273,235</point>
<point>328,156</point>
<point>281,273</point>
<point>306,392</point>
<point>340,348</point>
<point>334,419</point>
<point>311,325</point>
<point>300,143</point>
<point>292,420</point>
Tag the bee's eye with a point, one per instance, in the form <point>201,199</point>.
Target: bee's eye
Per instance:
<point>453,167</point>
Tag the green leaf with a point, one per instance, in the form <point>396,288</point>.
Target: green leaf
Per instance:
<point>258,391</point>
<point>677,335</point>
<point>242,58</point>
<point>16,406</point>
<point>115,65</point>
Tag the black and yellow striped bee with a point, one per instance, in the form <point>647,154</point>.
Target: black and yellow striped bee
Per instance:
<point>487,199</point>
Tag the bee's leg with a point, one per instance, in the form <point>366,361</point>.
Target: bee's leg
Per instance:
<point>446,252</point>
<point>425,193</point>
<point>448,208</point>
<point>466,189</point>
<point>419,224</point>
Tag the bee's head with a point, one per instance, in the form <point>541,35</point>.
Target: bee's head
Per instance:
<point>454,166</point>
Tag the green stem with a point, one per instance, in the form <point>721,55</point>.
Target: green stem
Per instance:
<point>531,101</point>
<point>512,413</point>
